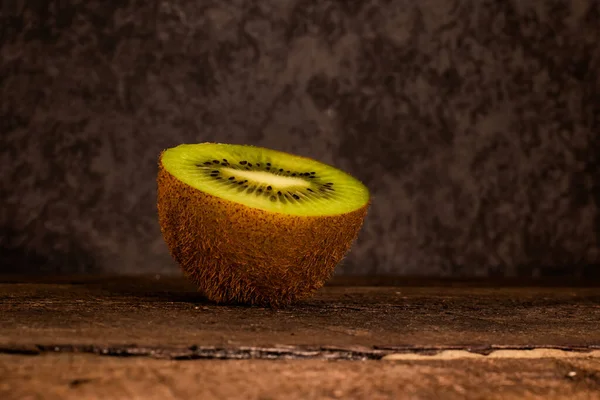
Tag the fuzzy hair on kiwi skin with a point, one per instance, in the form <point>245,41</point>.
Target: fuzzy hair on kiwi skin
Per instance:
<point>238,254</point>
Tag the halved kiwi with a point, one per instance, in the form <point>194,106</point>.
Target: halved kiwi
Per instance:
<point>254,225</point>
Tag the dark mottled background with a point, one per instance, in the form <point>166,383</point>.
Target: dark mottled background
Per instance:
<point>476,124</point>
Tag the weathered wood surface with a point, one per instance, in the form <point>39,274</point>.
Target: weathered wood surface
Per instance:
<point>169,313</point>
<point>69,376</point>
<point>52,334</point>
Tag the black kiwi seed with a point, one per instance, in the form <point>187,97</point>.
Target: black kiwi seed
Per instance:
<point>224,160</point>
<point>231,178</point>
<point>258,164</point>
<point>243,162</point>
<point>268,168</point>
<point>280,169</point>
<point>259,190</point>
<point>295,196</point>
<point>268,164</point>
<point>216,162</point>
<point>240,183</point>
<point>269,188</point>
<point>312,176</point>
<point>249,164</point>
<point>312,173</point>
<point>293,174</point>
<point>287,172</point>
<point>329,183</point>
<point>207,163</point>
<point>310,190</point>
<point>279,193</point>
<point>215,171</point>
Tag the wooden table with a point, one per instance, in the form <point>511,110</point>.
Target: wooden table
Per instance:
<point>155,337</point>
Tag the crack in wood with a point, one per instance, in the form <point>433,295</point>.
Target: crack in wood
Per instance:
<point>272,353</point>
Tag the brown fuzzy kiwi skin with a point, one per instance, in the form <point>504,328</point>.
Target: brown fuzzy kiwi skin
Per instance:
<point>238,254</point>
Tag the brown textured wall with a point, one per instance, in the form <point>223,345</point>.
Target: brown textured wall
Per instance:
<point>475,124</point>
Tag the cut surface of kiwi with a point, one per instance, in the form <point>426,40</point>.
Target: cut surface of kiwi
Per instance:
<point>266,179</point>
<point>253,225</point>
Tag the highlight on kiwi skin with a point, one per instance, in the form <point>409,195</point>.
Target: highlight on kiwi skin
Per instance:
<point>253,225</point>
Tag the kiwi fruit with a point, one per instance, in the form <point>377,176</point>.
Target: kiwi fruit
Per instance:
<point>253,225</point>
